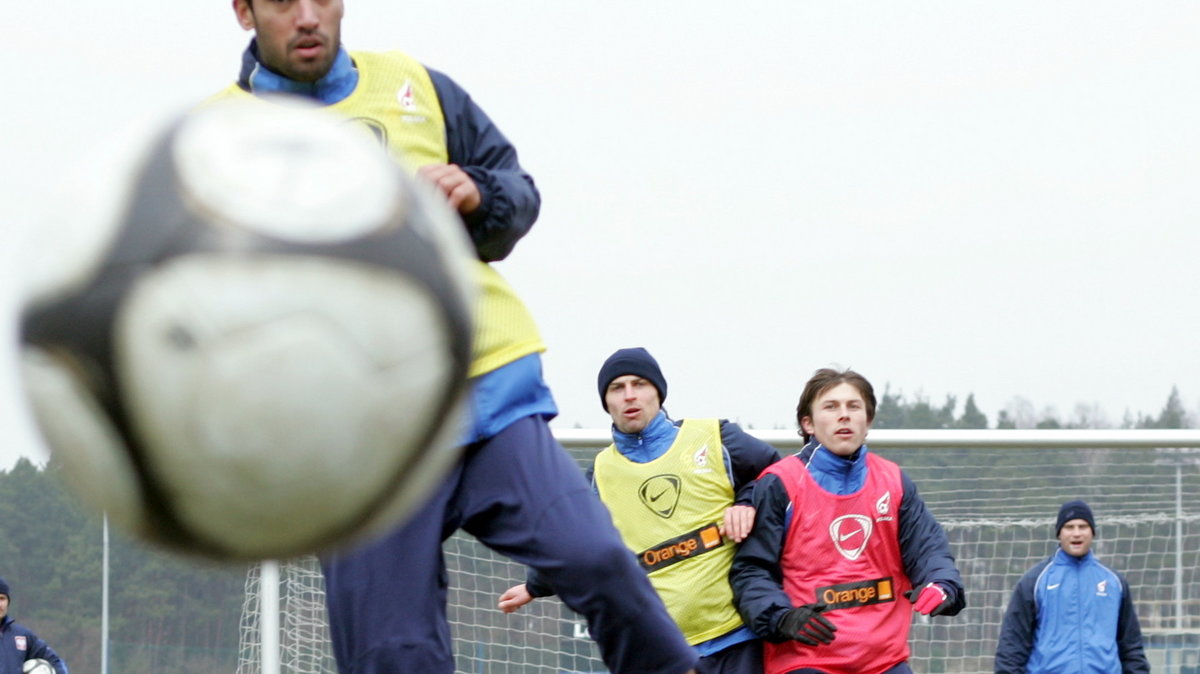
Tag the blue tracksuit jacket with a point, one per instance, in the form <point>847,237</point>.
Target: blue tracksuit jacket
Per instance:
<point>1071,615</point>
<point>18,644</point>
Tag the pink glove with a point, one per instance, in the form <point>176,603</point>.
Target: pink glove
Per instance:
<point>930,598</point>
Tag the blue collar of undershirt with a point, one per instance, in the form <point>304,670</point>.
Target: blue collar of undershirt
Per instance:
<point>838,474</point>
<point>336,85</point>
<point>654,440</point>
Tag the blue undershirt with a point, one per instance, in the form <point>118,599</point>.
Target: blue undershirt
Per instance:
<point>654,440</point>
<point>839,475</point>
<point>506,394</point>
<point>336,85</point>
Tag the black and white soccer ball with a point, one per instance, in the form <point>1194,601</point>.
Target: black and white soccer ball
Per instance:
<point>248,337</point>
<point>37,666</point>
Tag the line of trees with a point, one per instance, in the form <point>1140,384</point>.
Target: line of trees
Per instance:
<point>896,411</point>
<point>167,613</point>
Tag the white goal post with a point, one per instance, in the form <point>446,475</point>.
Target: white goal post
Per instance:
<point>995,492</point>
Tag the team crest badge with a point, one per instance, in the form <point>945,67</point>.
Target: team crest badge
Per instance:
<point>1102,588</point>
<point>661,494</point>
<point>405,97</point>
<point>850,534</point>
<point>700,458</point>
<point>884,504</point>
<point>19,642</point>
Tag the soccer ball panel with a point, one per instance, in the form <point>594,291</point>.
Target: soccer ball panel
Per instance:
<point>96,465</point>
<point>319,188</point>
<point>37,666</point>
<point>280,368</point>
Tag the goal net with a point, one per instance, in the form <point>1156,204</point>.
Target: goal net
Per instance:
<point>997,506</point>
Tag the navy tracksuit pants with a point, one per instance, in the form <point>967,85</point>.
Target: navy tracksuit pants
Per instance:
<point>522,495</point>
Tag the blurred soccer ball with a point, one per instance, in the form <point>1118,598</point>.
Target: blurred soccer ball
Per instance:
<point>37,666</point>
<point>249,338</point>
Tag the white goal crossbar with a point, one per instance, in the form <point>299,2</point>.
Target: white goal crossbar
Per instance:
<point>905,438</point>
<point>995,492</point>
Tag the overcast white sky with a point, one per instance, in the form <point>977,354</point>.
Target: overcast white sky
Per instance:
<point>998,198</point>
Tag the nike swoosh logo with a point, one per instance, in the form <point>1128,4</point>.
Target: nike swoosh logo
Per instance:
<point>660,495</point>
<point>852,533</point>
<point>1051,587</point>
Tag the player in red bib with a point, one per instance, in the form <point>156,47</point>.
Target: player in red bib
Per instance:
<point>843,549</point>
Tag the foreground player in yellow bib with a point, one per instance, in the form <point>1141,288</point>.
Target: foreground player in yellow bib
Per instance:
<point>515,488</point>
<point>671,488</point>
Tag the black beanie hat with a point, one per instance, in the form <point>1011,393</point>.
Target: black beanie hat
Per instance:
<point>1074,510</point>
<point>636,361</point>
<point>4,589</point>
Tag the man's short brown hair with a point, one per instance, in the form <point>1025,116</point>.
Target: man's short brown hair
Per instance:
<point>825,379</point>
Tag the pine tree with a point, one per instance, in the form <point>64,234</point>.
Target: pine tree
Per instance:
<point>1173,414</point>
<point>972,416</point>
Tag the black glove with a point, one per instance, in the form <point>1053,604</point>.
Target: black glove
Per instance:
<point>806,625</point>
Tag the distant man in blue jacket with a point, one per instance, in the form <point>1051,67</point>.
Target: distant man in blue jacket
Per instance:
<point>1070,613</point>
<point>18,644</point>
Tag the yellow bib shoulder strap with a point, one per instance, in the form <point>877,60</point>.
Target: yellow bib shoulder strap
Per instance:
<point>396,100</point>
